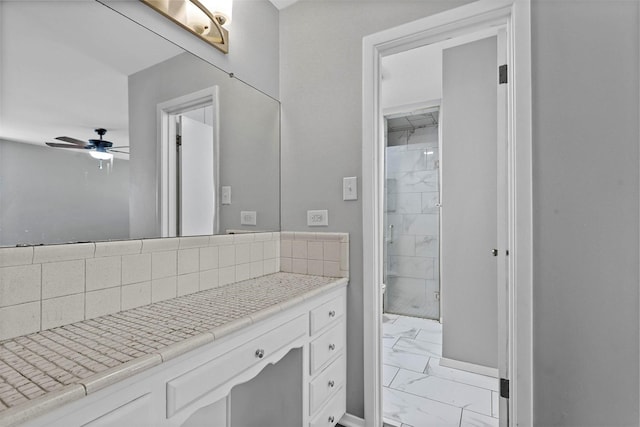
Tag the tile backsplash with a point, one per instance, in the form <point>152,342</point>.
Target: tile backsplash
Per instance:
<point>42,287</point>
<point>320,254</point>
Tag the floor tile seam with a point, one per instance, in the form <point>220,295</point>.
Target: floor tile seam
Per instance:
<point>448,380</point>
<point>394,376</point>
<point>428,398</point>
<point>455,381</point>
<point>430,342</point>
<point>412,340</point>
<point>400,367</point>
<point>439,401</point>
<point>480,413</point>
<point>414,353</point>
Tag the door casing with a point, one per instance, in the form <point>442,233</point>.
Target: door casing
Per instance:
<point>166,131</point>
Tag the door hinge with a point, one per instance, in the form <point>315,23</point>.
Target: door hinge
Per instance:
<point>502,74</point>
<point>504,388</point>
<point>178,140</point>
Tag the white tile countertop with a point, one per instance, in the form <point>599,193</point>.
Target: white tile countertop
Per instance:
<point>55,366</point>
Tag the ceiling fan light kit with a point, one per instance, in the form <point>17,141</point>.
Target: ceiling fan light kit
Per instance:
<point>99,149</point>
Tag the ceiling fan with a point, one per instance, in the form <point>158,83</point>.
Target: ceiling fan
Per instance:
<point>98,148</point>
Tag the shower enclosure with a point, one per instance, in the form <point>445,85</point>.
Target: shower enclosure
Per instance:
<point>412,215</point>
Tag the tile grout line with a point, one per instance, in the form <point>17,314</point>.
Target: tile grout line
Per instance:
<point>429,359</point>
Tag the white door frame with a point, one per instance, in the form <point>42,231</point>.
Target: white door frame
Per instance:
<point>166,111</point>
<point>515,14</point>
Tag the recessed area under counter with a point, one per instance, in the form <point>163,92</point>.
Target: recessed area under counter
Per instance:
<point>128,359</point>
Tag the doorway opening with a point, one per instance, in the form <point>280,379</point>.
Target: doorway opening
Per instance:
<point>507,252</point>
<point>441,366</point>
<point>189,157</point>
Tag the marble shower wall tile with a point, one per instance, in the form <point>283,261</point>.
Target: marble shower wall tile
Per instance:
<point>416,182</point>
<point>415,267</point>
<point>420,224</point>
<point>429,201</point>
<point>427,246</point>
<point>412,224</point>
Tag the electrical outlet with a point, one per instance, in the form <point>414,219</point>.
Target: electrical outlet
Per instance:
<point>318,218</point>
<point>248,218</point>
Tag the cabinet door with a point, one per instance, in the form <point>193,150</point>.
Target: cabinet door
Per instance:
<point>135,413</point>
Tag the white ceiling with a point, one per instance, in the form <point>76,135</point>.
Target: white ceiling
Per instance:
<point>65,66</point>
<point>281,4</point>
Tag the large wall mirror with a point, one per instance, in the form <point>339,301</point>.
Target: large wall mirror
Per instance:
<point>181,130</point>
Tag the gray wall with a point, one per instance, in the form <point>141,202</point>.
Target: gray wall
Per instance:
<point>585,196</point>
<point>53,196</point>
<point>321,95</point>
<point>253,46</point>
<point>249,142</point>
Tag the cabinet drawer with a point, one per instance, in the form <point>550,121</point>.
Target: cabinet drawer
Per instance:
<point>326,384</point>
<point>327,346</point>
<point>326,314</point>
<point>196,383</point>
<point>332,412</point>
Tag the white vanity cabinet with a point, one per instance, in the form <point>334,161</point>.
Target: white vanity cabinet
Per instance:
<point>198,386</point>
<point>327,395</point>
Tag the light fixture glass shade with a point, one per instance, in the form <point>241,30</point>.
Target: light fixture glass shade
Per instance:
<point>204,18</point>
<point>220,7</point>
<point>100,155</point>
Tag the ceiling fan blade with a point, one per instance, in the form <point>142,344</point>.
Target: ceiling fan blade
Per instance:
<point>56,145</point>
<point>71,140</point>
<point>117,151</point>
<point>120,146</point>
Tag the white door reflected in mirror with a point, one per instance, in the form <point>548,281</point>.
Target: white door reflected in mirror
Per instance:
<point>195,165</point>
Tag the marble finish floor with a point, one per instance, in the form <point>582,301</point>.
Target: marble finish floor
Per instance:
<point>418,392</point>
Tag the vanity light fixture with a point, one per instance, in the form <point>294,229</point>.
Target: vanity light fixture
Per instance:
<point>206,19</point>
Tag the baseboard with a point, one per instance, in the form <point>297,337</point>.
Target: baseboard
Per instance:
<point>470,367</point>
<point>349,420</point>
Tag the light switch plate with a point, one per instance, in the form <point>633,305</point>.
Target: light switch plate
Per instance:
<point>248,217</point>
<point>318,218</point>
<point>226,195</point>
<point>350,188</point>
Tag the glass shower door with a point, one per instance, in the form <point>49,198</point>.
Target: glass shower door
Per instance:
<point>412,215</point>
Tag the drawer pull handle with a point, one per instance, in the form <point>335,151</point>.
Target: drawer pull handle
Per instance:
<point>332,313</point>
<point>260,353</point>
<point>332,346</point>
<point>331,383</point>
<point>331,419</point>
